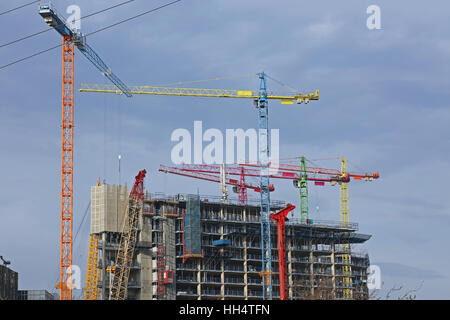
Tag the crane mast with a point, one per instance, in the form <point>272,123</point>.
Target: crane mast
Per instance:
<point>71,38</point>
<point>303,187</point>
<point>264,181</point>
<point>346,257</point>
<point>66,168</point>
<point>280,218</point>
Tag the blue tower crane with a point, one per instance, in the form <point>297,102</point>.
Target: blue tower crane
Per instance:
<point>264,157</point>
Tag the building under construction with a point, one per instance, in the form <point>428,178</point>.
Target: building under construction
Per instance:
<point>9,280</point>
<point>199,247</point>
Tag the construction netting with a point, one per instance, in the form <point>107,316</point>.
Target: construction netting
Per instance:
<point>192,234</point>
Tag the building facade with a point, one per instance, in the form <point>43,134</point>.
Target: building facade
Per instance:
<point>35,295</point>
<point>197,247</point>
<point>9,283</point>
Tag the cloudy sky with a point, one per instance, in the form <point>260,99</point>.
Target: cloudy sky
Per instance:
<point>383,105</point>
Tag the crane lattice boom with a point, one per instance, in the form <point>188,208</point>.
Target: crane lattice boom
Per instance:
<point>198,92</point>
<point>128,238</point>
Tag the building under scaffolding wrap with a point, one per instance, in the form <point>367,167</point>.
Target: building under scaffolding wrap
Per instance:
<point>198,247</point>
<point>192,237</point>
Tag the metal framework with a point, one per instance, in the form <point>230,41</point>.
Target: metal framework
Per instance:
<point>344,195</point>
<point>260,98</point>
<point>280,218</point>
<point>65,286</point>
<point>92,56</point>
<point>250,172</point>
<point>70,37</point>
<point>198,92</point>
<point>303,187</point>
<point>346,257</point>
<point>240,186</point>
<point>91,291</point>
<point>264,181</point>
<point>128,238</point>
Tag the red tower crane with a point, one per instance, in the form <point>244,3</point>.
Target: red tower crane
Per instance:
<point>240,186</point>
<point>212,173</point>
<point>280,218</point>
<point>128,239</point>
<point>296,168</point>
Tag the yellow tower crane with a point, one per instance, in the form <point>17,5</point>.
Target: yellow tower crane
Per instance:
<point>197,92</point>
<point>346,257</point>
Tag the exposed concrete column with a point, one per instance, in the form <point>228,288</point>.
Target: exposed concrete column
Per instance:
<point>222,266</point>
<point>289,266</point>
<point>333,271</point>
<point>311,267</point>
<point>144,258</point>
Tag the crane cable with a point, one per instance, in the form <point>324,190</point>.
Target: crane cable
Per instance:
<point>94,32</point>
<point>134,17</point>
<point>282,84</point>
<point>51,28</point>
<point>207,80</point>
<point>19,7</point>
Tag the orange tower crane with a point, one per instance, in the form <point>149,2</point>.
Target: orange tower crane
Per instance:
<point>70,38</point>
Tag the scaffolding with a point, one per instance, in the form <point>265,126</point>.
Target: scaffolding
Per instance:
<point>160,269</point>
<point>108,207</point>
<point>167,265</point>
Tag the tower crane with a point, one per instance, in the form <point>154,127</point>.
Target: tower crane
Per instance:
<point>91,291</point>
<point>128,238</point>
<point>212,172</point>
<point>304,173</point>
<point>346,257</point>
<point>260,98</point>
<point>238,185</point>
<point>71,38</point>
<point>303,188</point>
<point>280,218</point>
<point>344,207</point>
<point>250,172</point>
